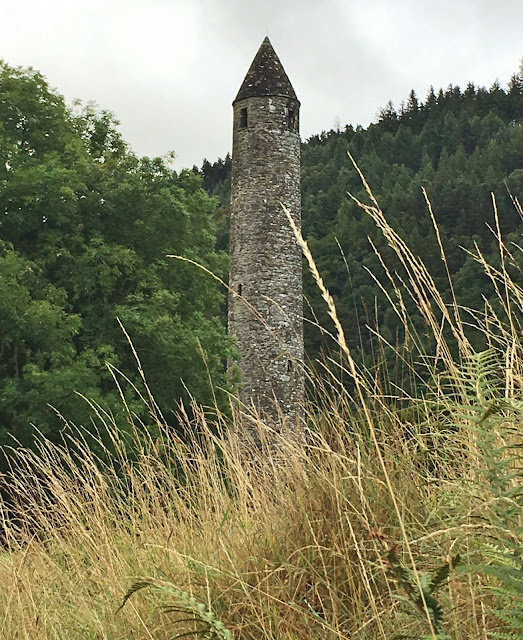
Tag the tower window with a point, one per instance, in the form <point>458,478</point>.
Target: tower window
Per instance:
<point>289,366</point>
<point>243,118</point>
<point>240,289</point>
<point>291,120</point>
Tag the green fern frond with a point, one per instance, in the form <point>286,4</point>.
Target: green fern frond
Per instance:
<point>420,588</point>
<point>442,573</point>
<point>496,423</point>
<point>184,602</point>
<point>513,617</point>
<point>137,586</point>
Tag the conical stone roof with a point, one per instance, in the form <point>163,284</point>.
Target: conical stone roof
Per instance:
<point>266,76</point>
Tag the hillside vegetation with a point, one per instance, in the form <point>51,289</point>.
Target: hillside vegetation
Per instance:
<point>399,514</point>
<point>460,146</point>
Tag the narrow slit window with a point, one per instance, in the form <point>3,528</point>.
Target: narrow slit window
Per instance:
<point>243,118</point>
<point>289,366</point>
<point>240,289</point>
<point>291,120</point>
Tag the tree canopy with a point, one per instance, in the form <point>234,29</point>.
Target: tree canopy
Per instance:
<point>85,228</point>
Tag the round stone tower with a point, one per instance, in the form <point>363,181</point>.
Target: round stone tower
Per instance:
<point>266,306</point>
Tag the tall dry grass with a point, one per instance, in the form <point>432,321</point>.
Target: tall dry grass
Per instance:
<point>340,540</point>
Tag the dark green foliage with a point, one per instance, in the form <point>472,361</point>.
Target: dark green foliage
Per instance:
<point>217,181</point>
<point>85,229</point>
<point>420,589</point>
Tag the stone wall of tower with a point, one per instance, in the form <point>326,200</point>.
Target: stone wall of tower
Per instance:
<point>267,320</point>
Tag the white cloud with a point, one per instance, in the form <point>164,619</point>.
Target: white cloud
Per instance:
<point>170,69</point>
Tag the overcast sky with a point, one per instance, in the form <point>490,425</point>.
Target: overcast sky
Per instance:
<point>170,69</point>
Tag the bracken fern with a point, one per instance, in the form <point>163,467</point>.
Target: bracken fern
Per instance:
<point>210,628</point>
<point>495,422</point>
<point>428,583</point>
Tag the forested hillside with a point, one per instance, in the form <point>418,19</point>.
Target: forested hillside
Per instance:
<point>86,226</point>
<point>461,146</point>
<point>85,229</point>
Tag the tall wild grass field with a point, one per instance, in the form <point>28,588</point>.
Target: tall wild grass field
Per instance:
<point>396,516</point>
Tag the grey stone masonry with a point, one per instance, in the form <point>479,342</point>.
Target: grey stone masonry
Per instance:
<point>266,308</point>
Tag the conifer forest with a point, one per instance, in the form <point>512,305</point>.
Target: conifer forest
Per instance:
<point>461,146</point>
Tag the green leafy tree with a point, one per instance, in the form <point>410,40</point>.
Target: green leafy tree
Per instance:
<point>85,232</point>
